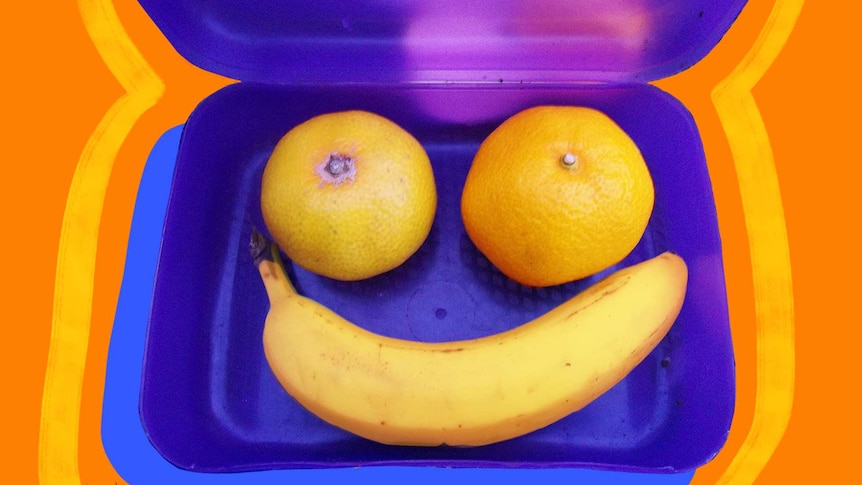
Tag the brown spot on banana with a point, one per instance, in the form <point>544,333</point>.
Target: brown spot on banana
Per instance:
<point>607,292</point>
<point>449,350</point>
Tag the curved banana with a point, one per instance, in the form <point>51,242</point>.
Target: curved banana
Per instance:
<point>470,392</point>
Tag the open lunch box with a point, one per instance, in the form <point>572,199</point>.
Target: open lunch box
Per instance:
<point>449,72</point>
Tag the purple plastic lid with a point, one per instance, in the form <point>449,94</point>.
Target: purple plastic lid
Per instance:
<point>398,41</point>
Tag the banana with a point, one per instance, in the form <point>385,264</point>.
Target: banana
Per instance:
<point>470,392</point>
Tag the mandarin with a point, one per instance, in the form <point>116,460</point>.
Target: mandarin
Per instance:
<point>348,195</point>
<point>556,194</point>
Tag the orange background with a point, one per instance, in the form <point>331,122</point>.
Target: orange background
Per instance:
<point>56,89</point>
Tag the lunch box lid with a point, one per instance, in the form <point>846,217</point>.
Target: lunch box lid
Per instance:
<point>443,41</point>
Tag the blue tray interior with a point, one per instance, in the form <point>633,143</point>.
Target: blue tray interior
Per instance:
<point>210,403</point>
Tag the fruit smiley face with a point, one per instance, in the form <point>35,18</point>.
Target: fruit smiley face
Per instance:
<point>554,194</point>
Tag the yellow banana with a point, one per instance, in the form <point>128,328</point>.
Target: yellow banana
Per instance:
<point>469,392</point>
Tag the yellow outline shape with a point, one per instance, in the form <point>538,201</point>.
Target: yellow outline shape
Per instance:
<point>767,233</point>
<point>73,290</point>
<point>76,258</point>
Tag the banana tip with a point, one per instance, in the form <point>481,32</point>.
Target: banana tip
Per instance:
<point>258,246</point>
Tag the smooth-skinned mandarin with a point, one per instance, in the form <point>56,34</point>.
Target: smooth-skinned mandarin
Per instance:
<point>348,195</point>
<point>556,194</point>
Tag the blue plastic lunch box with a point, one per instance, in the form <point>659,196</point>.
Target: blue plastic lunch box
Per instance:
<point>448,72</point>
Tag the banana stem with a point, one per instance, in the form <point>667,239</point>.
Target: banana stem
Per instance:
<point>267,259</point>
